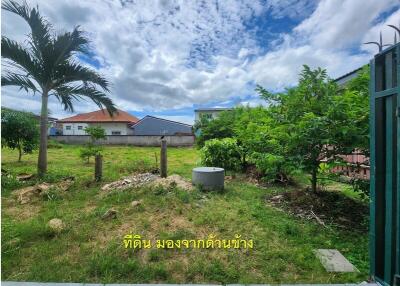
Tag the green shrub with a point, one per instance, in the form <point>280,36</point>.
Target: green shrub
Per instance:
<point>274,168</point>
<point>223,153</point>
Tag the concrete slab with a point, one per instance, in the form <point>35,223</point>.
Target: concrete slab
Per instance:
<point>334,261</point>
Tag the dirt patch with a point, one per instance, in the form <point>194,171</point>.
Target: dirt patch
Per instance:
<point>173,181</point>
<point>19,212</point>
<point>325,207</point>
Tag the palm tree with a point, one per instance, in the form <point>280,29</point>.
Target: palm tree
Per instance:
<point>48,65</point>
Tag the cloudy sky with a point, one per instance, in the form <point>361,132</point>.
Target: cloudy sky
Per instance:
<point>166,58</point>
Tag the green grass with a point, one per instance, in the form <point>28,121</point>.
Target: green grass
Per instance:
<point>91,249</point>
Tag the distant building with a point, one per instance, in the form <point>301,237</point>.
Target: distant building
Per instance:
<point>150,125</point>
<point>210,113</point>
<point>119,124</point>
<point>342,80</point>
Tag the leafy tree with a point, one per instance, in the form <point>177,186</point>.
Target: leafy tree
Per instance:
<point>19,131</point>
<point>96,133</point>
<point>48,66</point>
<point>321,121</point>
<point>263,141</point>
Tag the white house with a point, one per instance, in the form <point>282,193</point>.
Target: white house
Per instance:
<point>119,124</point>
<point>210,113</point>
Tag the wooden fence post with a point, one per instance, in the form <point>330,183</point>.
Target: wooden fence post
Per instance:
<point>163,159</point>
<point>98,168</point>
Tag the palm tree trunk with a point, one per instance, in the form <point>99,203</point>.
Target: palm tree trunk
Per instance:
<point>42,160</point>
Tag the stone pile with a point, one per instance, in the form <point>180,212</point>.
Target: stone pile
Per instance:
<point>133,181</point>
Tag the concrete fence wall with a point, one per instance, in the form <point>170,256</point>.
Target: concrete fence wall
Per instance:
<point>135,140</point>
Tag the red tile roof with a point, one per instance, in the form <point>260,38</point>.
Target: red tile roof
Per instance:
<point>102,116</point>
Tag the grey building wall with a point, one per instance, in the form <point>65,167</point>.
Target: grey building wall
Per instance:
<point>150,125</point>
<point>174,141</point>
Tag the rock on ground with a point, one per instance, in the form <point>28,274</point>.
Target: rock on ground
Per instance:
<point>111,213</point>
<point>334,261</point>
<point>136,203</point>
<point>56,225</point>
<point>28,194</point>
<point>24,176</point>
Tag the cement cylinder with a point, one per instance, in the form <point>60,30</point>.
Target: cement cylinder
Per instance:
<point>208,178</point>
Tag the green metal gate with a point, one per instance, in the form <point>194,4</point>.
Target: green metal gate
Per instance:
<point>385,166</point>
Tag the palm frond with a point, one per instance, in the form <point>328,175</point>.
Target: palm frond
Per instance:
<point>40,27</point>
<point>66,44</point>
<point>19,80</point>
<point>66,94</point>
<point>71,72</point>
<point>19,57</point>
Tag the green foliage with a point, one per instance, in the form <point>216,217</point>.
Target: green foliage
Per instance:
<point>95,133</point>
<point>19,131</point>
<point>362,186</point>
<point>357,92</point>
<point>221,127</point>
<point>224,153</point>
<point>91,150</point>
<point>321,120</point>
<point>301,128</point>
<point>274,168</point>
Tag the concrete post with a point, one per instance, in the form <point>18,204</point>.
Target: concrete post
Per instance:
<point>163,159</point>
<point>98,168</point>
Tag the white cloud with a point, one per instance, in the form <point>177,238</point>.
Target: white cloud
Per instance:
<point>326,39</point>
<point>338,24</point>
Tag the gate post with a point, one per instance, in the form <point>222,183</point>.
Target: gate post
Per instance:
<point>98,167</point>
<point>385,166</point>
<point>163,159</point>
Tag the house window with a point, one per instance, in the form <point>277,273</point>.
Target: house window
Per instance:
<point>68,127</point>
<point>80,127</point>
<point>208,115</point>
<point>115,132</point>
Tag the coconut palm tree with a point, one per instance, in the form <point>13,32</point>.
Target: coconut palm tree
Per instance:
<point>48,65</point>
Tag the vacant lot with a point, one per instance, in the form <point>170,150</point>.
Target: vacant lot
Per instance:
<point>91,249</point>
